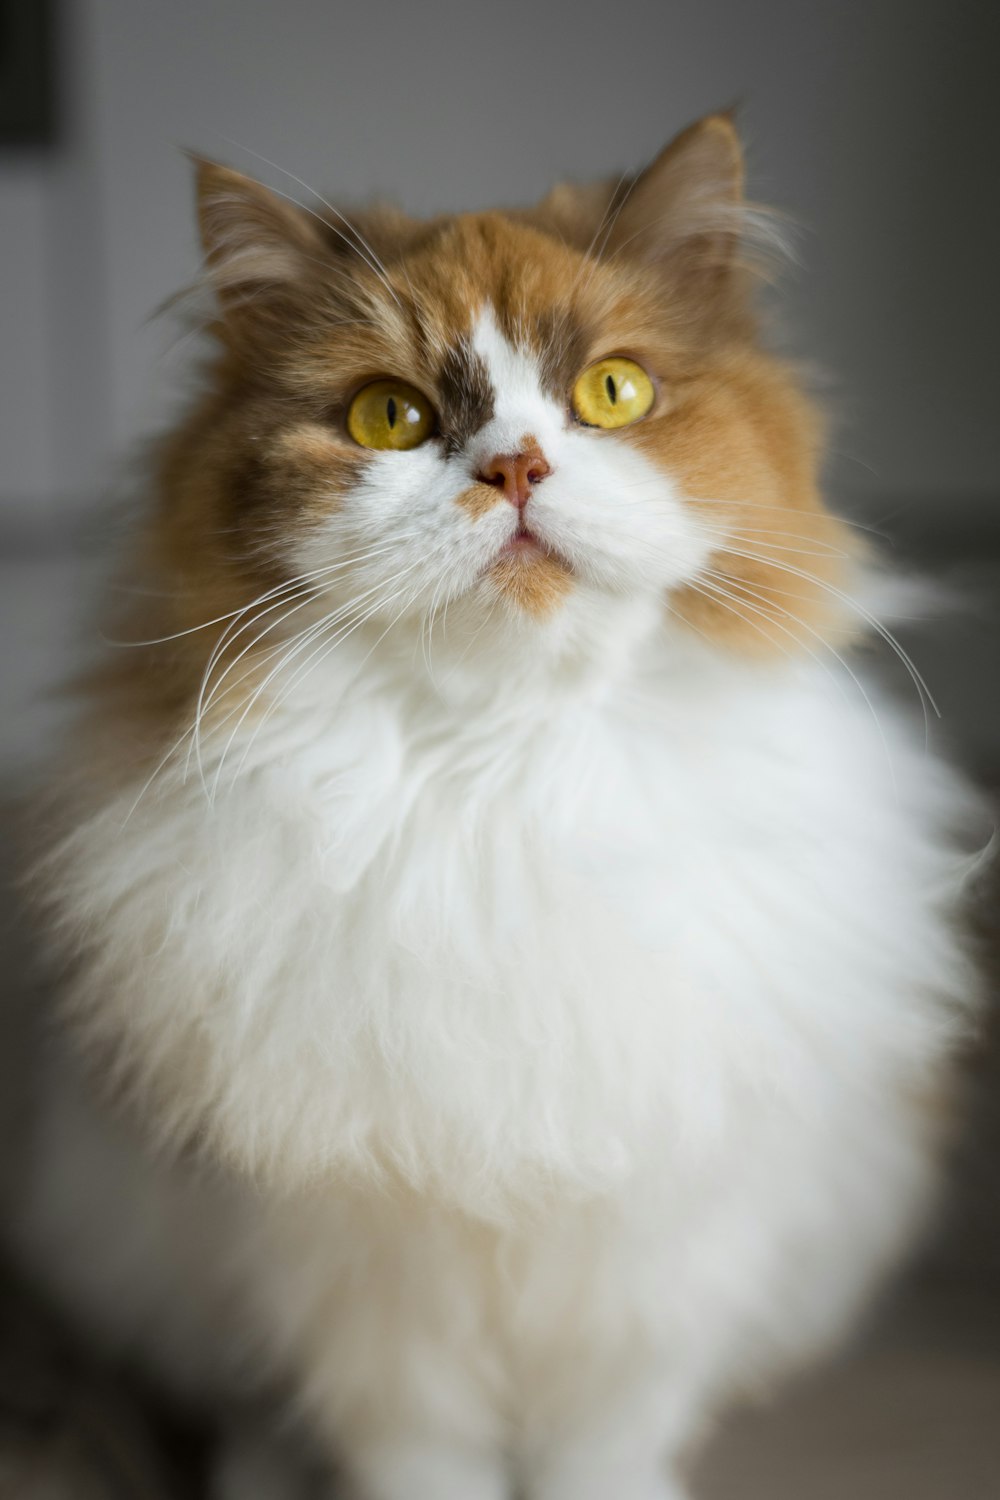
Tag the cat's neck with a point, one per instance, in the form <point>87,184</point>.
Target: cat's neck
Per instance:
<point>499,662</point>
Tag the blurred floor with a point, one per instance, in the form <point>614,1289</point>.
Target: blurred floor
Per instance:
<point>912,1412</point>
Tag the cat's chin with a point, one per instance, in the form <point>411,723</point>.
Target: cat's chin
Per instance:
<point>527,574</point>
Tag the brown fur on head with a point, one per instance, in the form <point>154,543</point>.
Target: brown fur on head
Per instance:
<point>264,481</point>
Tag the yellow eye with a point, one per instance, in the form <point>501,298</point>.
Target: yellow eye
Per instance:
<point>613,393</point>
<point>390,414</point>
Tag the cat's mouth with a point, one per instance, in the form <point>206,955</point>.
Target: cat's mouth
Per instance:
<point>529,573</point>
<point>522,544</point>
<point>526,547</point>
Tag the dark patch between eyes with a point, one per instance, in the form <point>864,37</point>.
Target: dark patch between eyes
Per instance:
<point>559,341</point>
<point>466,397</point>
<point>564,347</point>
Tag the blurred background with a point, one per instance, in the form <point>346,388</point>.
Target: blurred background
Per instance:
<point>875,123</point>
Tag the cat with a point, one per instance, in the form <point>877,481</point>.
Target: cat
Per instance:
<point>514,963</point>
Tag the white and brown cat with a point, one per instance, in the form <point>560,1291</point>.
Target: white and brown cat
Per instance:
<point>509,952</point>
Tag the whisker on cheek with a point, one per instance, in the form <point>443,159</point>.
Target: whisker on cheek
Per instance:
<point>766,610</point>
<point>924,694</point>
<point>311,663</point>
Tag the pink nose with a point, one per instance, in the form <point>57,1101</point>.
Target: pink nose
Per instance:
<point>515,474</point>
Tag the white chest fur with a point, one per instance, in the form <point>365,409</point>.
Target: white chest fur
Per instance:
<point>537,942</point>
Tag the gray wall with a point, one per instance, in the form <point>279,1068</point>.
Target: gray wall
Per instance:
<point>874,123</point>
<point>26,415</point>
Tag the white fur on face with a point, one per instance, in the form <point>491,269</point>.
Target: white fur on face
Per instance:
<point>618,519</point>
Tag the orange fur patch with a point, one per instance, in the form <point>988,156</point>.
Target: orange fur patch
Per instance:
<point>479,499</point>
<point>536,583</point>
<point>743,445</point>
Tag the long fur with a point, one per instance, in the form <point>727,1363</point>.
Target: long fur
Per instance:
<point>523,996</point>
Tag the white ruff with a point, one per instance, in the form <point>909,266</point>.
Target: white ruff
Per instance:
<point>507,944</point>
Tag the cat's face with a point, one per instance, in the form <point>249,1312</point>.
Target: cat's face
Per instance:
<point>514,414</point>
<point>508,494</point>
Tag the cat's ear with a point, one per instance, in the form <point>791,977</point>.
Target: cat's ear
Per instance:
<point>259,251</point>
<point>684,214</point>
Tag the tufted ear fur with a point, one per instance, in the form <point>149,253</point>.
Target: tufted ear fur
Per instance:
<point>687,203</point>
<point>259,249</point>
<point>682,221</point>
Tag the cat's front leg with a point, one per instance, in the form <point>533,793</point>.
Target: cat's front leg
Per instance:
<point>620,1451</point>
<point>584,1472</point>
<point>576,1479</point>
<point>424,1469</point>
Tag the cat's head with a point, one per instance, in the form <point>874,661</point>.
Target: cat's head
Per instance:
<point>529,416</point>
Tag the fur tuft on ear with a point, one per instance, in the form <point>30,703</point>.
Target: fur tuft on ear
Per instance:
<point>686,214</point>
<point>688,198</point>
<point>258,248</point>
<point>683,221</point>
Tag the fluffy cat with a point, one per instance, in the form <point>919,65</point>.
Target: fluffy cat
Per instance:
<point>513,970</point>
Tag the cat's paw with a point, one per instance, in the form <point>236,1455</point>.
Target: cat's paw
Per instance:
<point>618,1482</point>
<point>425,1471</point>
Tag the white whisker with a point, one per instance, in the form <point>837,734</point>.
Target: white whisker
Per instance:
<point>317,631</point>
<point>923,691</point>
<point>768,612</point>
<point>303,671</point>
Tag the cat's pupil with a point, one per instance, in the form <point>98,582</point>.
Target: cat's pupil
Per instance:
<point>390,410</point>
<point>609,386</point>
